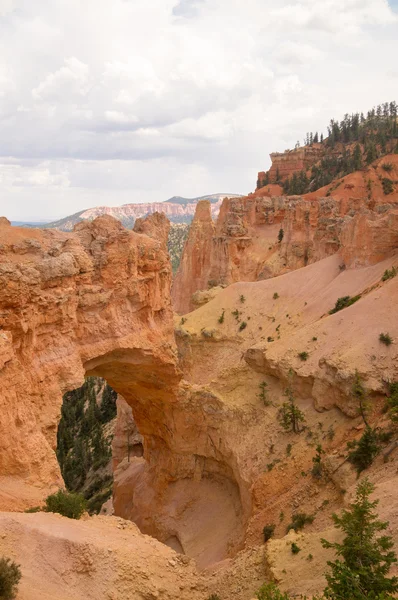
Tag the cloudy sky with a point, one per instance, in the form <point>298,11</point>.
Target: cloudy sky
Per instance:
<point>117,101</point>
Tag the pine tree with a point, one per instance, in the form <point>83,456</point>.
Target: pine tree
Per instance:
<point>290,416</point>
<point>357,158</point>
<point>371,154</point>
<point>108,404</point>
<point>364,559</point>
<point>317,469</point>
<point>364,451</point>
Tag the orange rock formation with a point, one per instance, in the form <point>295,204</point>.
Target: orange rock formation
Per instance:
<point>244,246</point>
<point>285,164</point>
<point>97,302</point>
<point>72,304</point>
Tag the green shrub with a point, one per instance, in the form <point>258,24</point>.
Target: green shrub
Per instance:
<point>303,355</point>
<point>271,465</point>
<point>183,321</point>
<point>280,235</point>
<point>392,402</point>
<point>67,504</point>
<point>343,302</point>
<point>330,433</point>
<point>34,509</point>
<point>389,273</point>
<point>295,549</point>
<point>288,449</point>
<point>237,314</point>
<point>270,339</point>
<point>275,296</point>
<point>387,184</point>
<point>317,468</point>
<point>387,167</point>
<point>242,326</point>
<point>314,339</point>
<point>299,520</point>
<point>385,338</point>
<point>221,318</point>
<point>10,575</point>
<point>269,591</point>
<point>364,451</point>
<point>242,298</point>
<point>268,532</point>
<point>214,597</point>
<point>263,393</point>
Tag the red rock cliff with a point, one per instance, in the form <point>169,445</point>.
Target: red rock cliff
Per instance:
<point>245,245</point>
<point>72,304</point>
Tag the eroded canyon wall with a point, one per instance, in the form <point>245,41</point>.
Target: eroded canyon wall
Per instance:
<point>244,244</point>
<point>99,294</point>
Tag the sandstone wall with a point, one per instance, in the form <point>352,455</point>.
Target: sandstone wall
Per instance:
<point>243,245</point>
<point>294,161</point>
<point>193,272</point>
<point>99,294</point>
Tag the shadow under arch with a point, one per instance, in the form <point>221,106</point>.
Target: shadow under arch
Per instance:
<point>182,488</point>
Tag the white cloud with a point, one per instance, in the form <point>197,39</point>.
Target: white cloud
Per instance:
<point>65,83</point>
<point>198,92</point>
<point>43,175</point>
<point>6,7</point>
<point>187,8</point>
<point>116,116</point>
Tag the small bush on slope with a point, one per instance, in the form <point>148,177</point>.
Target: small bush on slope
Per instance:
<point>10,574</point>
<point>392,402</point>
<point>388,186</point>
<point>295,549</point>
<point>389,273</point>
<point>269,591</point>
<point>268,532</point>
<point>66,504</point>
<point>385,338</point>
<point>343,302</point>
<point>364,451</point>
<point>299,520</point>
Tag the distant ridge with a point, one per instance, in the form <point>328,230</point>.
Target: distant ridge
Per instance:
<point>178,210</point>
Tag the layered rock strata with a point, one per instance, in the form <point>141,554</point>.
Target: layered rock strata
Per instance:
<point>244,243</point>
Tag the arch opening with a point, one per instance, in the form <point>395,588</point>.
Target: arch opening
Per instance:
<point>166,476</point>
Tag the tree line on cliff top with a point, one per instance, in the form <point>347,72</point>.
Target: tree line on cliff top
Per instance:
<point>374,136</point>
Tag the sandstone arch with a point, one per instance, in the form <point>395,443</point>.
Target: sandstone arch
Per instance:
<point>64,300</point>
<point>97,302</point>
